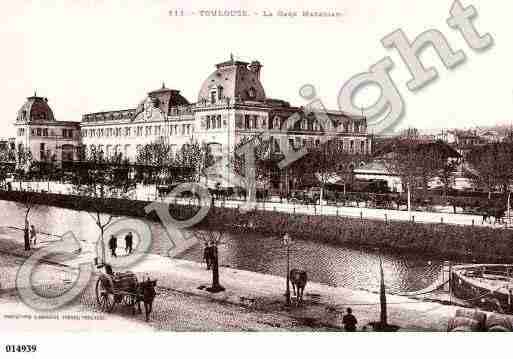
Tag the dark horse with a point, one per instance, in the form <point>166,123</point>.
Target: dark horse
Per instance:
<point>147,294</point>
<point>298,278</point>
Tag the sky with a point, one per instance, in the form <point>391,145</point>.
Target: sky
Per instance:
<point>98,55</point>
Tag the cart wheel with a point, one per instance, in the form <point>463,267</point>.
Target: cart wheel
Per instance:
<point>104,295</point>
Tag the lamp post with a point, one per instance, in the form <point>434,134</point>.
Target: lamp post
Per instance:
<point>286,241</point>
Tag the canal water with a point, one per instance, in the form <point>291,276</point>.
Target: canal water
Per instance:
<point>335,265</point>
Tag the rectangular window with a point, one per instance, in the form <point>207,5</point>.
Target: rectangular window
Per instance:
<point>246,122</point>
<point>213,97</point>
<point>218,121</point>
<point>183,129</point>
<point>38,131</point>
<point>362,147</point>
<point>351,146</point>
<point>45,132</point>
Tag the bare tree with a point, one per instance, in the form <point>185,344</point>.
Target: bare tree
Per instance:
<point>212,238</point>
<point>96,184</point>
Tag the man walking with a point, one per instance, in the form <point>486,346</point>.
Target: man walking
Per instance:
<point>113,245</point>
<point>207,255</point>
<point>349,321</point>
<point>129,242</point>
<point>33,234</point>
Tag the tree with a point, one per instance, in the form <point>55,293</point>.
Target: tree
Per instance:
<point>492,166</point>
<point>190,159</point>
<point>447,175</point>
<point>326,163</point>
<point>212,237</point>
<point>157,157</point>
<point>96,184</point>
<point>26,202</point>
<point>24,162</point>
<point>416,163</point>
<point>382,296</point>
<point>265,158</point>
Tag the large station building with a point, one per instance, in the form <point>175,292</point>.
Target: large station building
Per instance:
<point>231,106</point>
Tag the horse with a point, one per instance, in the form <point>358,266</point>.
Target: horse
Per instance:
<point>147,293</point>
<point>298,278</point>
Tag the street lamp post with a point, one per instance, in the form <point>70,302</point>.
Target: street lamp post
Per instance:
<point>286,241</point>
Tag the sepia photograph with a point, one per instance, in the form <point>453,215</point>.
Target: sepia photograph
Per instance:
<point>302,169</point>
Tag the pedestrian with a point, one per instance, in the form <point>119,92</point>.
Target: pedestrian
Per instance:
<point>113,245</point>
<point>129,242</point>
<point>349,321</point>
<point>207,255</point>
<point>33,234</point>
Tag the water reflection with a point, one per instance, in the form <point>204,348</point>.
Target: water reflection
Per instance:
<point>327,263</point>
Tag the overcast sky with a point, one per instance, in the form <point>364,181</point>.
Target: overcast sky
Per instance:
<point>96,55</point>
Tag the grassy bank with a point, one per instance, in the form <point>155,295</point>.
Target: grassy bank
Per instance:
<point>449,241</point>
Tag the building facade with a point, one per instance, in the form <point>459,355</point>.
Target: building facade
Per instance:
<point>47,139</point>
<point>231,106</point>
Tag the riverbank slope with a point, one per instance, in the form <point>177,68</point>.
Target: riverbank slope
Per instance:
<point>467,243</point>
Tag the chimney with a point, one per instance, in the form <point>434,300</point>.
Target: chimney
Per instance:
<point>255,67</point>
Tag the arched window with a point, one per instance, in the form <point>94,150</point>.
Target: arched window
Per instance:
<point>277,122</point>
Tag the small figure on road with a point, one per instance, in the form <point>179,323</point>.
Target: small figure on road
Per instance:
<point>33,234</point>
<point>129,242</point>
<point>113,245</point>
<point>349,321</point>
<point>208,254</point>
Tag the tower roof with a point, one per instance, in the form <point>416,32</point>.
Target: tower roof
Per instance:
<point>35,109</point>
<point>237,79</point>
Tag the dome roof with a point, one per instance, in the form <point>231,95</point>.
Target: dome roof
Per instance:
<point>35,109</point>
<point>235,80</point>
<point>163,98</point>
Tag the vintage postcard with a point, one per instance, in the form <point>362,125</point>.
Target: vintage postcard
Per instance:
<point>275,166</point>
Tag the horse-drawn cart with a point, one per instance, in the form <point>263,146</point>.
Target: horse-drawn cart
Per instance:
<point>112,289</point>
<point>124,288</point>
